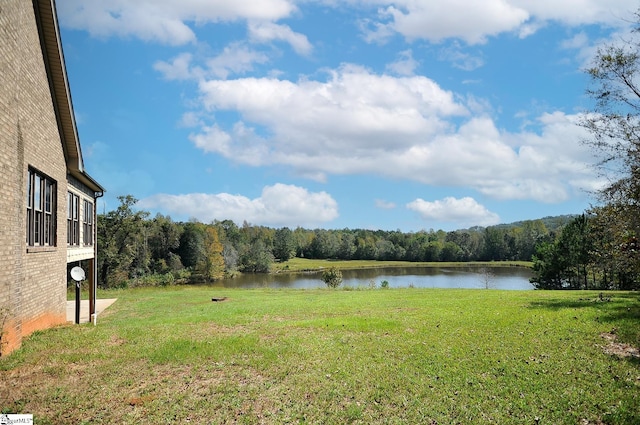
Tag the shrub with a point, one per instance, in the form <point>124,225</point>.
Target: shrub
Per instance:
<point>332,277</point>
<point>384,284</point>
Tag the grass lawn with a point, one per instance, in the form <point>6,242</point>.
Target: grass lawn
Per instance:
<point>303,264</point>
<point>397,356</point>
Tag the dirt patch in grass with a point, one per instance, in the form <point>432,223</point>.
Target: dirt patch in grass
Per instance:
<point>208,329</point>
<point>618,349</point>
<point>116,341</point>
<point>219,299</point>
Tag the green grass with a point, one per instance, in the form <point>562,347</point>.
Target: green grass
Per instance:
<point>303,264</point>
<point>391,356</point>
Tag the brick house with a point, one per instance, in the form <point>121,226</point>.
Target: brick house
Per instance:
<point>47,199</point>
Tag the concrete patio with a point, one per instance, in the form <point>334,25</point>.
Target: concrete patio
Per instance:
<point>101,305</point>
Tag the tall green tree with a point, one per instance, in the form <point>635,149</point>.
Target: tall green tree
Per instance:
<point>615,248</point>
<point>548,267</point>
<point>324,245</point>
<point>614,124</point>
<point>163,241</point>
<point>347,247</point>
<point>284,244</point>
<point>122,238</point>
<point>211,265</point>
<point>531,233</point>
<point>192,244</point>
<point>230,255</point>
<point>495,247</point>
<point>256,257</point>
<point>567,262</point>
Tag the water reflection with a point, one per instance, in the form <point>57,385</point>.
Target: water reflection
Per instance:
<point>512,278</point>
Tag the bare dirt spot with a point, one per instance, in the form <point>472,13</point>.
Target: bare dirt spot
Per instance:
<point>618,349</point>
<point>116,341</point>
<point>140,401</point>
<point>219,299</point>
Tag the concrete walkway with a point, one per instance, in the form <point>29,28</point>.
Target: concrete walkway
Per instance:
<point>101,305</point>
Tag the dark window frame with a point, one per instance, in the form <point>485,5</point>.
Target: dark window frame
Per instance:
<point>73,219</point>
<point>87,223</point>
<point>41,209</point>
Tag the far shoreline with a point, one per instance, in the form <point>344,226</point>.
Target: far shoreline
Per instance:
<point>303,265</point>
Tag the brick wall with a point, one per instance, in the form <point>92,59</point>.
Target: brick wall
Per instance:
<point>9,164</point>
<point>32,284</point>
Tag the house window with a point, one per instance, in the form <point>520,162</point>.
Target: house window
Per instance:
<point>73,219</point>
<point>41,209</point>
<point>87,223</point>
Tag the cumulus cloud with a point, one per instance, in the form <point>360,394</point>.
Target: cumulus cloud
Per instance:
<point>163,21</point>
<point>235,59</point>
<point>278,205</point>
<point>406,128</point>
<point>471,21</point>
<point>405,65</point>
<point>465,211</point>
<point>179,68</point>
<point>354,111</point>
<point>265,32</point>
<point>474,21</point>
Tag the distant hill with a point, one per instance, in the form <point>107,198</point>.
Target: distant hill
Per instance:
<point>552,223</point>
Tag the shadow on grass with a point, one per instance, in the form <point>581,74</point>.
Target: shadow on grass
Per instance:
<point>619,309</point>
<point>612,306</point>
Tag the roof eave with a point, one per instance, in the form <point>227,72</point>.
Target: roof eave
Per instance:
<point>48,28</point>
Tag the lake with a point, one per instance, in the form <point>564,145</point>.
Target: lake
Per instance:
<point>512,278</point>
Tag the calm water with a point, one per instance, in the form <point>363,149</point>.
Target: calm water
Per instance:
<point>515,278</point>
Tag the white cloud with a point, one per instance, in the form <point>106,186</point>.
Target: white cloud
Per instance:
<point>278,205</point>
<point>405,65</point>
<point>473,21</point>
<point>190,119</point>
<point>353,105</point>
<point>586,48</point>
<point>265,32</point>
<point>385,205</point>
<point>580,12</point>
<point>235,59</point>
<point>406,128</point>
<point>465,211</point>
<point>163,21</point>
<point>242,144</point>
<point>375,32</point>
<point>460,59</point>
<point>178,69</point>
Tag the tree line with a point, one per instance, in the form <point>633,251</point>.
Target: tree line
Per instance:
<point>135,248</point>
<point>600,248</point>
<point>597,250</point>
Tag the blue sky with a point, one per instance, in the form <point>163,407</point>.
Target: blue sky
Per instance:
<point>375,114</point>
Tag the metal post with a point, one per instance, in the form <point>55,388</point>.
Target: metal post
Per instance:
<point>77,303</point>
<point>92,288</point>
